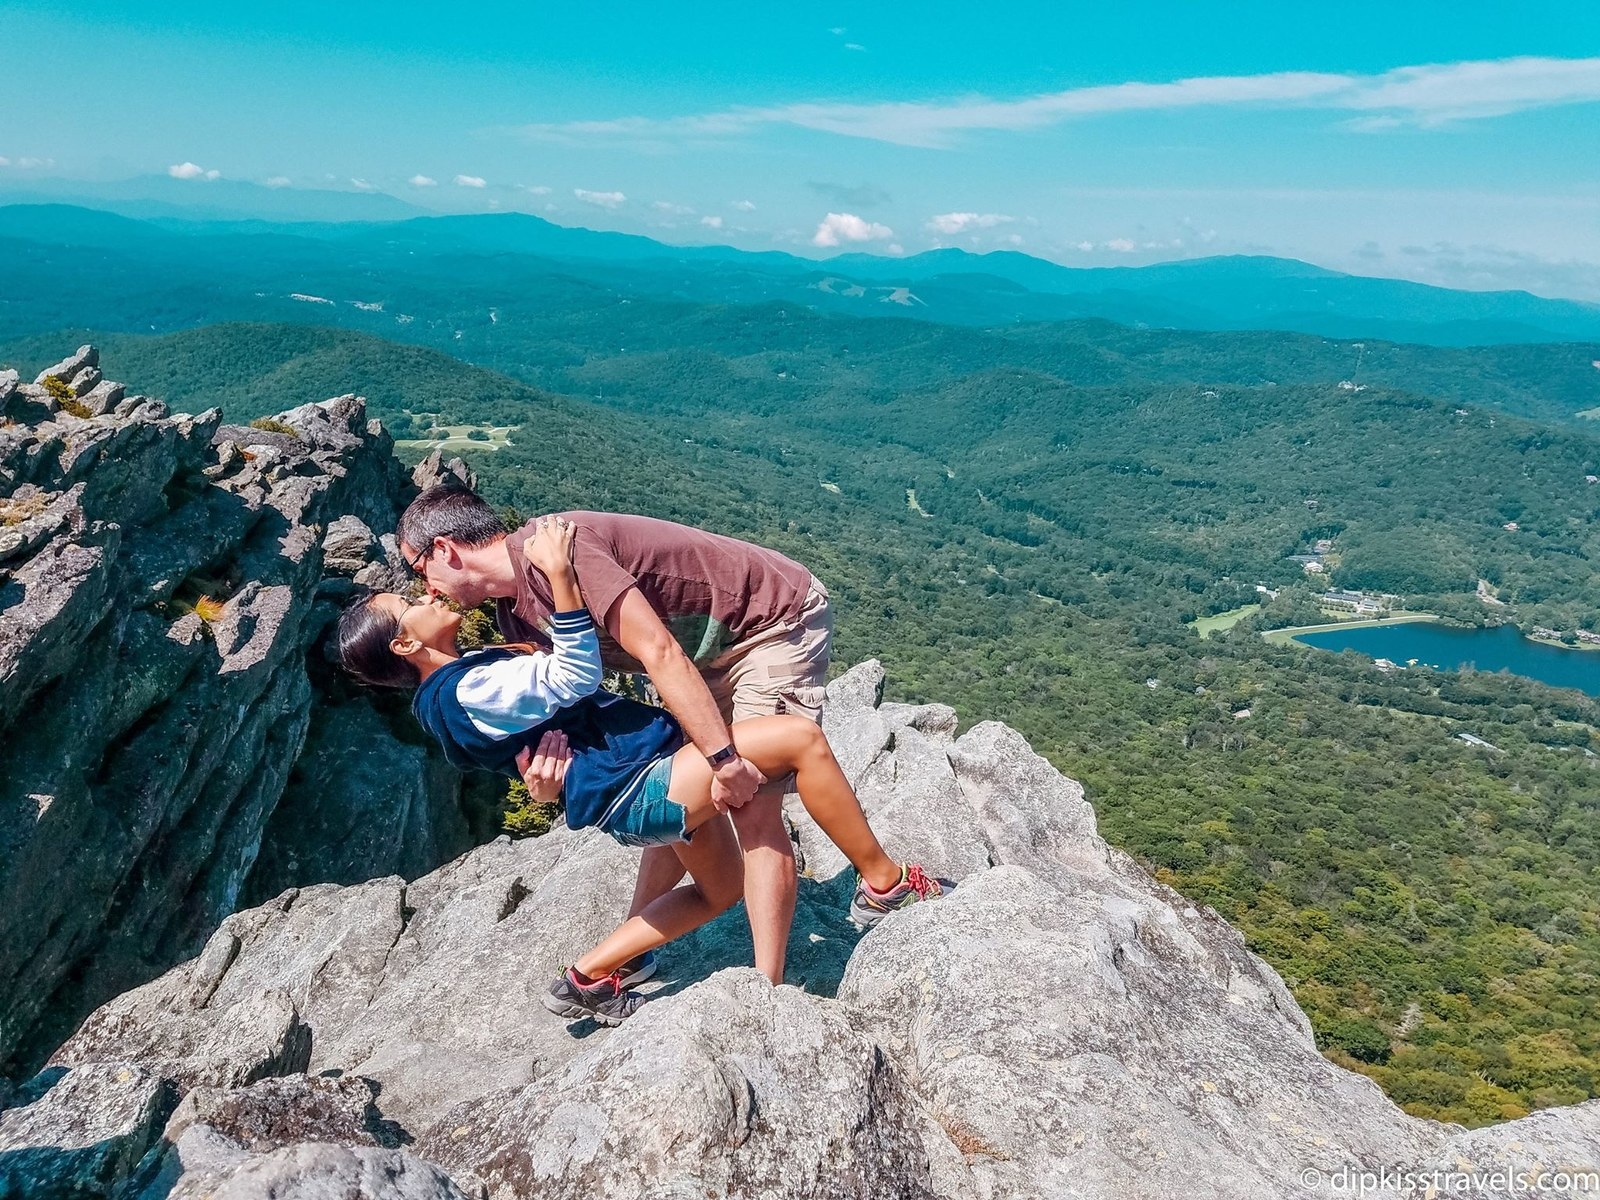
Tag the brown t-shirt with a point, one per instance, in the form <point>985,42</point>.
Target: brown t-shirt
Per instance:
<point>711,591</point>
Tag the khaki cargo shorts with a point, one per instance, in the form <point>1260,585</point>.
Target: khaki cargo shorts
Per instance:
<point>781,670</point>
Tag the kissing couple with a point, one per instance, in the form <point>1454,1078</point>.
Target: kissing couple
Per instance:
<point>736,639</point>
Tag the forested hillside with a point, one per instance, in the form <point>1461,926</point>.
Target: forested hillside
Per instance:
<point>1079,460</point>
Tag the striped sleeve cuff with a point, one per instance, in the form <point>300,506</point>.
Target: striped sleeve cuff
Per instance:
<point>576,621</point>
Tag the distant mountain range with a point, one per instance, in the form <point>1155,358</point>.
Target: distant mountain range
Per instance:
<point>215,265</point>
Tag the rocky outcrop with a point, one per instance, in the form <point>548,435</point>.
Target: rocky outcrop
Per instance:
<point>1060,1025</point>
<point>170,730</point>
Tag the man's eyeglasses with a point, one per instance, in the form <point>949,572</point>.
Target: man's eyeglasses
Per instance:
<point>416,563</point>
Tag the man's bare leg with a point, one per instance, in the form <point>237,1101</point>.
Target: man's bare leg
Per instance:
<point>769,879</point>
<point>659,873</point>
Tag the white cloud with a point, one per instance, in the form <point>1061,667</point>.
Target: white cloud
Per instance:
<point>1086,246</point>
<point>279,181</point>
<point>961,222</point>
<point>600,199</point>
<point>837,228</point>
<point>743,206</point>
<point>420,180</point>
<point>189,170</point>
<point>1426,96</point>
<point>711,222</point>
<point>894,248</point>
<point>673,210</point>
<point>534,191</point>
<point>837,31</point>
<point>361,185</point>
<point>1122,245</point>
<point>471,181</point>
<point>855,46</point>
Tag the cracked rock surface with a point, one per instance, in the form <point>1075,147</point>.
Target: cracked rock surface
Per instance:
<point>169,726</point>
<point>1059,1025</point>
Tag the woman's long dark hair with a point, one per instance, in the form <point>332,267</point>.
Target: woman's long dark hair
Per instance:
<point>364,636</point>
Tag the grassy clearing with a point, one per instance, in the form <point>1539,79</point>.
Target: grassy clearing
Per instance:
<point>455,438</point>
<point>1217,622</point>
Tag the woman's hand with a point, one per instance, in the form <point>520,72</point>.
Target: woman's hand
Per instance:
<point>544,770</point>
<point>550,547</point>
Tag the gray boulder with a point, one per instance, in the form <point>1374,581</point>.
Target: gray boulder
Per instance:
<point>216,1131</point>
<point>734,1088</point>
<point>348,545</point>
<point>85,358</point>
<point>318,1171</point>
<point>160,597</point>
<point>73,1134</point>
<point>346,817</point>
<point>434,471</point>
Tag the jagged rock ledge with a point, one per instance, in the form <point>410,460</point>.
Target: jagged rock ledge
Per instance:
<point>1061,1025</point>
<point>173,744</point>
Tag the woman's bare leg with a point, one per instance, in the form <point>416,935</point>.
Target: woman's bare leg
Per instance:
<point>660,870</point>
<point>714,863</point>
<point>778,746</point>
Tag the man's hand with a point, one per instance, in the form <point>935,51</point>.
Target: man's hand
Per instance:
<point>733,783</point>
<point>545,770</point>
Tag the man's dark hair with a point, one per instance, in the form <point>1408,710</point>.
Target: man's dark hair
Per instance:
<point>364,636</point>
<point>449,512</point>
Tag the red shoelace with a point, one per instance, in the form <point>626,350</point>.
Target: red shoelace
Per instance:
<point>920,883</point>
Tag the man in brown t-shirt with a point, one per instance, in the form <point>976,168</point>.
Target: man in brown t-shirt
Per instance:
<point>724,629</point>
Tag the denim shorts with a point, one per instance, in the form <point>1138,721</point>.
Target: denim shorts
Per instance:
<point>651,819</point>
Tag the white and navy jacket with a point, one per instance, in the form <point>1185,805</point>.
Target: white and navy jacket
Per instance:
<point>487,706</point>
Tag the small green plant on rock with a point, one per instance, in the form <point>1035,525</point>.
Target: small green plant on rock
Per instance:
<point>273,425</point>
<point>204,596</point>
<point>523,816</point>
<point>15,511</point>
<point>61,391</point>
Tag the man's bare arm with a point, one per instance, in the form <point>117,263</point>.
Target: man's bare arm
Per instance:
<point>642,633</point>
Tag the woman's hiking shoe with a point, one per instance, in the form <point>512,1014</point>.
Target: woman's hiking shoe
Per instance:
<point>637,969</point>
<point>604,1000</point>
<point>869,907</point>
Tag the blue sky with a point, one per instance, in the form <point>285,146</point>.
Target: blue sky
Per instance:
<point>1456,144</point>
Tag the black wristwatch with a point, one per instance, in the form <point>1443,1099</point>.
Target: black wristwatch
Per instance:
<point>726,754</point>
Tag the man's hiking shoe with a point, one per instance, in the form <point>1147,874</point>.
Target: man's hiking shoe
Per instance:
<point>604,1000</point>
<point>637,969</point>
<point>869,907</point>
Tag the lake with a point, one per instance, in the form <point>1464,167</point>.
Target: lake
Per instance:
<point>1449,649</point>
